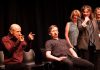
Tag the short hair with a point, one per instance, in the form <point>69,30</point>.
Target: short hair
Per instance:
<point>13,26</point>
<point>51,27</point>
<point>75,12</point>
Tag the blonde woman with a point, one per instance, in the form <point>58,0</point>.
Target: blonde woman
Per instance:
<point>71,29</point>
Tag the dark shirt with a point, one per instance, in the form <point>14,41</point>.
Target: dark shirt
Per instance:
<point>85,37</point>
<point>57,47</point>
<point>13,49</point>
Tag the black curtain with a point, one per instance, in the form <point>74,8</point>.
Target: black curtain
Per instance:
<point>37,15</point>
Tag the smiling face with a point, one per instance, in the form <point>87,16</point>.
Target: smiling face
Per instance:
<point>86,13</point>
<point>97,13</point>
<point>75,15</point>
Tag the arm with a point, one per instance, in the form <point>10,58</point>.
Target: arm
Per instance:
<point>83,24</point>
<point>49,56</point>
<point>29,41</point>
<point>73,52</point>
<point>8,46</point>
<point>66,34</point>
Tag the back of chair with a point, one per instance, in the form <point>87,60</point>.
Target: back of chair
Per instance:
<point>2,66</point>
<point>1,57</point>
<point>29,56</point>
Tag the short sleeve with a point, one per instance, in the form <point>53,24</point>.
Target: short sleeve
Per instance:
<point>48,45</point>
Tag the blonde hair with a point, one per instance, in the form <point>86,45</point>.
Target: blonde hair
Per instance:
<point>75,12</point>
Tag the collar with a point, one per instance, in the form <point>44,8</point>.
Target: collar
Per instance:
<point>12,37</point>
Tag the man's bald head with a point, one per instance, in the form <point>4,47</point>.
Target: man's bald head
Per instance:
<point>15,30</point>
<point>14,27</point>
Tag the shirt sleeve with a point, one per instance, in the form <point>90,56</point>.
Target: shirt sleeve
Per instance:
<point>28,44</point>
<point>9,46</point>
<point>48,45</point>
<point>79,25</point>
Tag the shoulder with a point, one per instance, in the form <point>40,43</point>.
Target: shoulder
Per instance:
<point>68,23</point>
<point>6,38</point>
<point>63,40</point>
<point>49,41</point>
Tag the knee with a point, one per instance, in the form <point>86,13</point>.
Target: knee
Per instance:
<point>92,65</point>
<point>70,64</point>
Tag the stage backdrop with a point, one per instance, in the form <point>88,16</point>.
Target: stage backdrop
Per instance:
<point>37,15</point>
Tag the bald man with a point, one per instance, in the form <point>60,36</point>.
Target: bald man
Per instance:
<point>13,45</point>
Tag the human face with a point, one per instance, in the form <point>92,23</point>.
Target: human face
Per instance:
<point>86,13</point>
<point>54,32</point>
<point>16,31</point>
<point>98,14</point>
<point>75,17</point>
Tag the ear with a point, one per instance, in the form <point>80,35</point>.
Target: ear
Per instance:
<point>49,34</point>
<point>10,31</point>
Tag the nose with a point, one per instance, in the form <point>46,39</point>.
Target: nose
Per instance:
<point>55,33</point>
<point>20,33</point>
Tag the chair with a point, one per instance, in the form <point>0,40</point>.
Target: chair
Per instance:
<point>2,66</point>
<point>29,61</point>
<point>48,65</point>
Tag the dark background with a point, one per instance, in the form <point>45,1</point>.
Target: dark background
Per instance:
<point>37,16</point>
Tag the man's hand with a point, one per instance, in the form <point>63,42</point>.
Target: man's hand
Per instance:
<point>61,58</point>
<point>21,38</point>
<point>31,36</point>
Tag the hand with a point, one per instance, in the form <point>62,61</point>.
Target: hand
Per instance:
<point>31,36</point>
<point>99,35</point>
<point>84,24</point>
<point>87,19</point>
<point>21,38</point>
<point>61,58</point>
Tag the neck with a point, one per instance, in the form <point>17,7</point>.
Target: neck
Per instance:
<point>74,21</point>
<point>56,38</point>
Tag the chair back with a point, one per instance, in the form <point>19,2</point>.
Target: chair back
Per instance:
<point>29,56</point>
<point>1,57</point>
